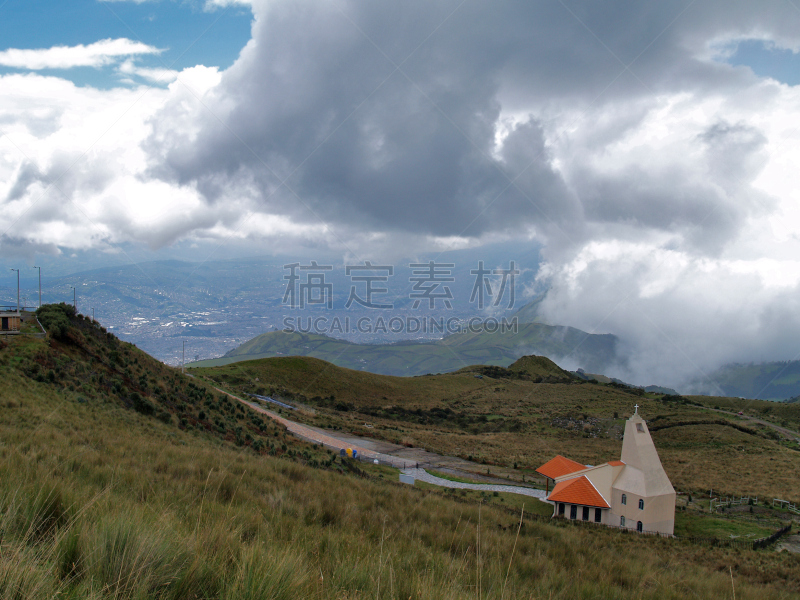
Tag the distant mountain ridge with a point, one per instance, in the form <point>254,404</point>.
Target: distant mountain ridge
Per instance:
<point>762,381</point>
<point>448,354</point>
<point>655,389</point>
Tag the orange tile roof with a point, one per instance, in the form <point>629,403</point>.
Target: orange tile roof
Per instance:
<point>616,463</point>
<point>559,466</point>
<point>577,491</point>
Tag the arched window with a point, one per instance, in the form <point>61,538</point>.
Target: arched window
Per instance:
<point>622,521</point>
<point>639,526</point>
<point>624,499</point>
<point>641,504</point>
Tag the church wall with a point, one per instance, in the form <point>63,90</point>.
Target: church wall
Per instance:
<point>604,513</point>
<point>658,513</point>
<point>601,479</point>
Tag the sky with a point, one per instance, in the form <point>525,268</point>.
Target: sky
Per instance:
<point>649,149</point>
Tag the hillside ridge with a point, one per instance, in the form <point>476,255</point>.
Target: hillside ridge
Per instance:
<point>453,352</point>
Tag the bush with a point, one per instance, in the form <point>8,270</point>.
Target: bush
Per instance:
<point>55,318</point>
<point>141,405</point>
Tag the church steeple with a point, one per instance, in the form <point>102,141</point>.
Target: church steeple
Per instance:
<point>639,452</point>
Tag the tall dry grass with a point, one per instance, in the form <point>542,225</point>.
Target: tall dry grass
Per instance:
<point>100,502</point>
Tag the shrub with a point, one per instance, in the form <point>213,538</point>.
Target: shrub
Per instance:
<point>140,404</point>
<point>55,318</point>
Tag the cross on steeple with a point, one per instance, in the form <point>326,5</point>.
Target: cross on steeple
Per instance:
<point>635,409</point>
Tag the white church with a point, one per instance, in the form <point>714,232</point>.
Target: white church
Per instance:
<point>633,492</point>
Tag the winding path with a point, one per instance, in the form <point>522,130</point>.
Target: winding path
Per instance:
<point>787,432</point>
<point>316,436</point>
<point>423,475</point>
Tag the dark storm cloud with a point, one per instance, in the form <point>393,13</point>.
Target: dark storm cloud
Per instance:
<point>383,116</point>
<point>27,175</point>
<point>18,247</point>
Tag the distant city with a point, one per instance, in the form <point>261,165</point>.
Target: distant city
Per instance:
<point>216,306</point>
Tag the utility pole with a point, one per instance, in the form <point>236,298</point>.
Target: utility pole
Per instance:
<point>183,360</point>
<point>40,285</point>
<point>75,300</point>
<point>17,270</point>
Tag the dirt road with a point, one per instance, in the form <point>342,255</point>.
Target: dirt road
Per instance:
<point>386,453</point>
<point>782,430</point>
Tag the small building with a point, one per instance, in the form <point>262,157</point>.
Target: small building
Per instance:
<point>10,322</point>
<point>633,492</point>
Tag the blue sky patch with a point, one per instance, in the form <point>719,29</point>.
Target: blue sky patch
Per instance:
<point>188,34</point>
<point>767,60</point>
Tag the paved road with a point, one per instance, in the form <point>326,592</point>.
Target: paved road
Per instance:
<point>423,475</point>
<point>317,436</point>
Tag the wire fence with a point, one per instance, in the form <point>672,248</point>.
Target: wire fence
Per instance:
<point>717,503</point>
<point>786,505</point>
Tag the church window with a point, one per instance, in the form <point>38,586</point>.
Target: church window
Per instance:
<point>639,526</point>
<point>622,521</point>
<point>624,499</point>
<point>641,504</point>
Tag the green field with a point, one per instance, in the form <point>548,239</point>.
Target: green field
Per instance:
<point>690,524</point>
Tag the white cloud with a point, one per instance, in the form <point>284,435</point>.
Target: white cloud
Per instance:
<point>208,5</point>
<point>162,76</point>
<point>680,316</point>
<point>669,210</point>
<point>97,54</point>
<point>212,4</point>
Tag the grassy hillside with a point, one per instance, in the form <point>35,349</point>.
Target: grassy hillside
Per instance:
<point>502,419</point>
<point>539,368</point>
<point>454,352</point>
<point>88,365</point>
<point>100,500</point>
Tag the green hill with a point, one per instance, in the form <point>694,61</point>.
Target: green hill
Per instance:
<point>453,352</point>
<point>81,362</point>
<point>539,368</point>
